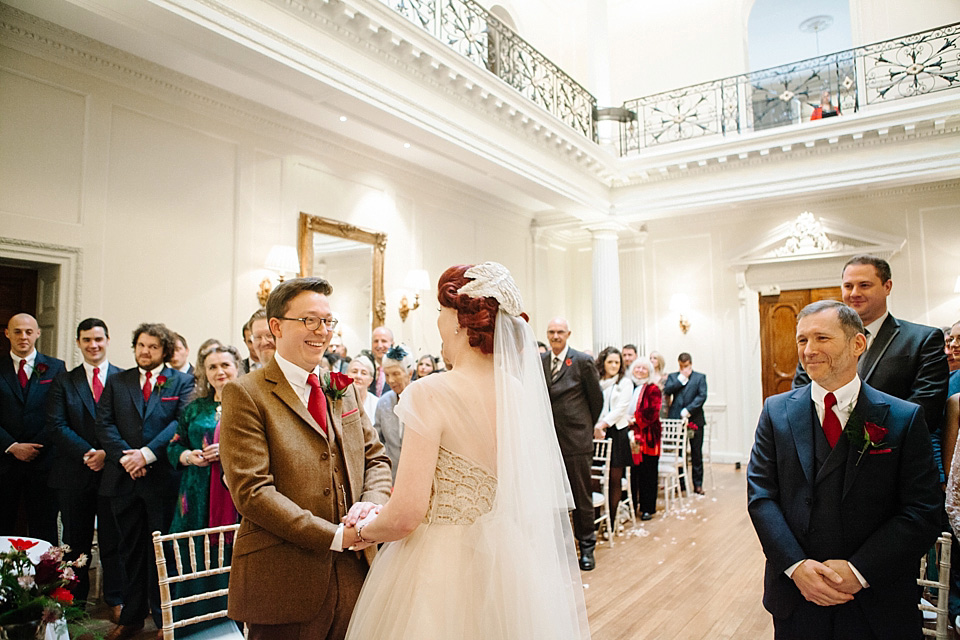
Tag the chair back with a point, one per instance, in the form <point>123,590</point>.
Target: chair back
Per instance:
<point>941,586</point>
<point>673,440</point>
<point>196,557</point>
<point>600,467</point>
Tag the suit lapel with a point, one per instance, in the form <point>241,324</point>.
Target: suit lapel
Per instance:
<point>136,391</point>
<point>33,385</point>
<point>868,362</point>
<point>871,409</point>
<point>10,377</point>
<point>79,378</point>
<point>334,411</point>
<point>288,396</point>
<point>799,417</point>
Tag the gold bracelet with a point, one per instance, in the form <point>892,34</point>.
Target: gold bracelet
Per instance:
<point>360,535</point>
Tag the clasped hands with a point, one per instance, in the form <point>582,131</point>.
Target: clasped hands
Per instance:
<point>360,514</point>
<point>203,457</point>
<point>826,583</point>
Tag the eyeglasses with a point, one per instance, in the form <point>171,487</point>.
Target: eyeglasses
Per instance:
<point>312,323</point>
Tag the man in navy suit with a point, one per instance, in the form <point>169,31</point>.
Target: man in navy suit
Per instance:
<point>688,391</point>
<point>79,459</point>
<point>25,380</point>
<point>842,490</point>
<point>576,400</point>
<point>136,418</point>
<point>903,359</point>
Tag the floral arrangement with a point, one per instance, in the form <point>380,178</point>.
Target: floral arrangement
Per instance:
<point>31,592</point>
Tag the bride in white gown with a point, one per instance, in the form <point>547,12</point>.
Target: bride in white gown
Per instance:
<point>478,540</point>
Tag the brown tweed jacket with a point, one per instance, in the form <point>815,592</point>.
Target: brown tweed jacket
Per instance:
<point>279,464</point>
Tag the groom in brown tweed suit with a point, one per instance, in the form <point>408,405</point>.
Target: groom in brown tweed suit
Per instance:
<point>296,455</point>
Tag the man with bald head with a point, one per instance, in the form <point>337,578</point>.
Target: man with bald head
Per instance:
<point>576,399</point>
<point>25,379</point>
<point>380,342</point>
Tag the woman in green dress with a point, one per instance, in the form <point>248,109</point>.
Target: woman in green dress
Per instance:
<point>203,501</point>
<point>195,446</point>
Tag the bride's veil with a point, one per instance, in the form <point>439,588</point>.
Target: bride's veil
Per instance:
<point>529,526</point>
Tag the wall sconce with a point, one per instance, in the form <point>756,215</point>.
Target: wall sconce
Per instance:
<point>284,260</point>
<point>680,304</point>
<point>417,280</point>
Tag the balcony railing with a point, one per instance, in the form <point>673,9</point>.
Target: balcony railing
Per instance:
<point>913,65</point>
<point>479,36</point>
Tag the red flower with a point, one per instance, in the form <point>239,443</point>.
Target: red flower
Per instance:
<point>23,545</point>
<point>875,433</point>
<point>161,382</point>
<point>41,369</point>
<point>62,595</point>
<point>568,362</point>
<point>340,381</point>
<point>47,571</point>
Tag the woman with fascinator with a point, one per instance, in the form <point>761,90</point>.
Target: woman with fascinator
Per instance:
<point>478,543</point>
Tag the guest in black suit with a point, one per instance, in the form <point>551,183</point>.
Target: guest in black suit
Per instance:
<point>78,463</point>
<point>688,391</point>
<point>251,362</point>
<point>577,401</point>
<point>903,359</point>
<point>25,380</point>
<point>180,360</point>
<point>843,520</point>
<point>136,418</point>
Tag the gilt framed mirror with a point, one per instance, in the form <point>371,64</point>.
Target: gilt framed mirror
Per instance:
<point>351,259</point>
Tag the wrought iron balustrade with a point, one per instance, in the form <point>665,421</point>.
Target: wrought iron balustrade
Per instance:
<point>480,37</point>
<point>913,65</point>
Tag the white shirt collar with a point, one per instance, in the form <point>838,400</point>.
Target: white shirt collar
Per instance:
<point>104,366</point>
<point>31,358</point>
<point>562,355</point>
<point>874,327</point>
<point>296,375</point>
<point>155,373</point>
<point>846,395</point>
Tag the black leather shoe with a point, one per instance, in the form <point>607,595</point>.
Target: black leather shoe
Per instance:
<point>587,563</point>
<point>699,491</point>
<point>646,516</point>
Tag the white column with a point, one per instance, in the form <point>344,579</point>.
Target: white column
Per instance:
<point>606,286</point>
<point>633,290</point>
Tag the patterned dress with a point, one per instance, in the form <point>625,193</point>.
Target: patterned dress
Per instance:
<point>194,431</point>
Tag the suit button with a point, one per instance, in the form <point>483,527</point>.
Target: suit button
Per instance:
<point>323,456</point>
<point>326,491</point>
<point>808,501</point>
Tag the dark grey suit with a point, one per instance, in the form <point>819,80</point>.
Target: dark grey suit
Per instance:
<point>576,400</point>
<point>691,397</point>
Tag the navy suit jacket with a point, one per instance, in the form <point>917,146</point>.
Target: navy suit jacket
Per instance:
<point>907,361</point>
<point>690,396</point>
<point>124,421</point>
<point>22,411</point>
<point>576,399</point>
<point>71,425</point>
<point>890,508</point>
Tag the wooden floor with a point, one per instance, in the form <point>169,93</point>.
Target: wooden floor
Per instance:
<point>688,575</point>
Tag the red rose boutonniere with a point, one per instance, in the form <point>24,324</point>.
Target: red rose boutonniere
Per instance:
<point>335,384</point>
<point>40,369</point>
<point>161,383</point>
<point>568,362</point>
<point>865,435</point>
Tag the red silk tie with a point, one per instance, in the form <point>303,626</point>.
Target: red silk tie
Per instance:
<point>22,374</point>
<point>97,385</point>
<point>147,387</point>
<point>317,404</point>
<point>831,423</point>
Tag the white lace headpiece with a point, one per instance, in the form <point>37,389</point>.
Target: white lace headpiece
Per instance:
<point>493,280</point>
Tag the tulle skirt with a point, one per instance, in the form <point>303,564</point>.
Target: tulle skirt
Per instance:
<point>457,581</point>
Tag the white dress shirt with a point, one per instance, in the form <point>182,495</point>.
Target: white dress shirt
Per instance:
<point>873,328</point>
<point>562,357</point>
<point>297,377</point>
<point>846,401</point>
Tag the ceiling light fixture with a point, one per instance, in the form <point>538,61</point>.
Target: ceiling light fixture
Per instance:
<point>343,118</point>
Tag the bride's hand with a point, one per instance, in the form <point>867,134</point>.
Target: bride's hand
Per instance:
<point>358,512</point>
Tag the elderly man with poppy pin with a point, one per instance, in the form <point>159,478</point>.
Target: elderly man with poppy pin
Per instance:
<point>842,491</point>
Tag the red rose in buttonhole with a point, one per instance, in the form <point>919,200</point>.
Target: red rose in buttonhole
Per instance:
<point>876,433</point>
<point>340,381</point>
<point>161,382</point>
<point>568,362</point>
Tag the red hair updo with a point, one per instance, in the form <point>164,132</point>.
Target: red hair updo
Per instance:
<point>477,315</point>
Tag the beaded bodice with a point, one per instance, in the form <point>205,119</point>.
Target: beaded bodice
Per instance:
<point>462,491</point>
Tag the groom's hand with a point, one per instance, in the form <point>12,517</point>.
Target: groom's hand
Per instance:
<point>358,512</point>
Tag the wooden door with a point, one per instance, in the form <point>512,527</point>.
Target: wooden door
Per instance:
<point>778,331</point>
<point>18,294</point>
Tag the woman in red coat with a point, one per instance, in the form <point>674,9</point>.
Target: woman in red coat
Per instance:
<point>646,438</point>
